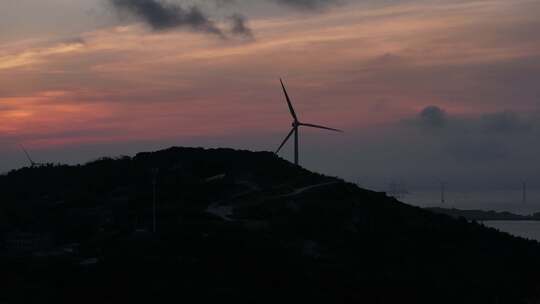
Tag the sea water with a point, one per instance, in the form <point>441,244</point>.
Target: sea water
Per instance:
<point>526,229</point>
<point>499,200</point>
<point>496,200</point>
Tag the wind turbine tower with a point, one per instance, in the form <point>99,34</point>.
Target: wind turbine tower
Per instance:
<point>296,124</point>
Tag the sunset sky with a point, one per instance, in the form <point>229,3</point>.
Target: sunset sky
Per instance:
<point>426,90</point>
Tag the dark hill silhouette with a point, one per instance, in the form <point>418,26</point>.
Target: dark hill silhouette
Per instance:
<point>244,226</point>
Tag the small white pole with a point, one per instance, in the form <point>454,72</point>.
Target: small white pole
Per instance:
<point>442,193</point>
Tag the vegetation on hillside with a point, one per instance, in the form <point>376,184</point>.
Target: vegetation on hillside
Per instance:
<point>244,226</point>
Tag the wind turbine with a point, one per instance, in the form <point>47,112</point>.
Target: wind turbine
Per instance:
<point>296,124</point>
<point>30,160</point>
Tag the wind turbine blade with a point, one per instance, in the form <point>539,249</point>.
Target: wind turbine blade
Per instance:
<point>285,140</point>
<point>320,127</point>
<point>28,156</point>
<point>288,101</point>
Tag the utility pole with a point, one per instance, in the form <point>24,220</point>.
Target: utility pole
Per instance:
<point>442,193</point>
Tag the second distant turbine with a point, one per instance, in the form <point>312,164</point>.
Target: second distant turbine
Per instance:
<point>296,124</point>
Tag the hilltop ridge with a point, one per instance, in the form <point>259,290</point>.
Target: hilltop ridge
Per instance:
<point>244,226</point>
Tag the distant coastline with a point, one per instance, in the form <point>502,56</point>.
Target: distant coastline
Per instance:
<point>483,215</point>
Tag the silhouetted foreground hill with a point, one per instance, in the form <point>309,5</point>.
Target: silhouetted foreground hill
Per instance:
<point>243,226</point>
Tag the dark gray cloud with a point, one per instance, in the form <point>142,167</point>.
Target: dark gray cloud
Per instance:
<point>476,149</point>
<point>479,138</point>
<point>224,3</point>
<point>494,123</point>
<point>432,116</point>
<point>308,4</point>
<point>162,16</point>
<point>505,122</point>
<point>239,26</point>
<point>486,150</point>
